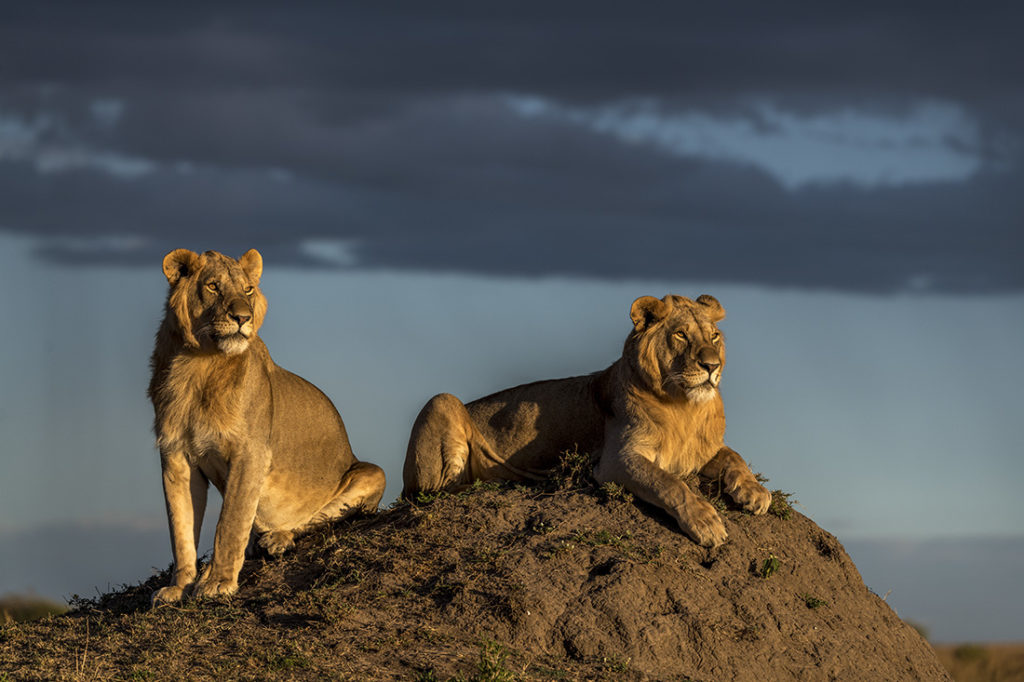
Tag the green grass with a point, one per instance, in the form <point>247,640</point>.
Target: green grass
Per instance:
<point>770,566</point>
<point>615,664</point>
<point>491,666</point>
<point>624,544</point>
<point>782,506</point>
<point>575,469</point>
<point>813,602</point>
<point>613,491</point>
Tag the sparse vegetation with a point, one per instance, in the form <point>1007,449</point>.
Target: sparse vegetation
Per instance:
<point>425,498</point>
<point>22,608</point>
<point>491,667</point>
<point>782,502</point>
<point>613,491</point>
<point>624,544</point>
<point>575,469</point>
<point>770,566</point>
<point>970,653</point>
<point>782,506</point>
<point>983,663</point>
<point>813,602</point>
<point>615,664</point>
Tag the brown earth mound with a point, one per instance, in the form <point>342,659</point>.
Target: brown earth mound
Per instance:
<point>502,582</point>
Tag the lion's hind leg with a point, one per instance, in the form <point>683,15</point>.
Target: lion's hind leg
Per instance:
<point>360,489</point>
<point>439,447</point>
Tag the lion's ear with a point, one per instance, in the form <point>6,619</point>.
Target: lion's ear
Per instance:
<point>180,263</point>
<point>647,310</point>
<point>252,262</point>
<point>714,311</point>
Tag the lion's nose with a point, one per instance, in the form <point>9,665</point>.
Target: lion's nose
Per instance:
<point>241,318</point>
<point>709,360</point>
<point>710,365</point>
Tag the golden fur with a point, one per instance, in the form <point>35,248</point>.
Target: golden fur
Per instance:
<point>654,416</point>
<point>269,441</point>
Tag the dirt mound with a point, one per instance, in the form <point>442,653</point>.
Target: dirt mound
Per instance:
<point>502,582</point>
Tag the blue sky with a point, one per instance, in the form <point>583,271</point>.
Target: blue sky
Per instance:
<point>475,200</point>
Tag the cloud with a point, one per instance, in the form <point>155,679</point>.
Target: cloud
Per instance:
<point>932,142</point>
<point>49,147</point>
<point>857,149</point>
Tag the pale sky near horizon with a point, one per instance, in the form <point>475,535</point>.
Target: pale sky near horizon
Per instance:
<point>859,404</point>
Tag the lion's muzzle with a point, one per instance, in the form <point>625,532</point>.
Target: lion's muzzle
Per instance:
<point>710,362</point>
<point>240,312</point>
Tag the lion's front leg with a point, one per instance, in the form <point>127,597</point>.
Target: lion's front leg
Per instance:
<point>739,483</point>
<point>641,476</point>
<point>185,490</point>
<point>244,485</point>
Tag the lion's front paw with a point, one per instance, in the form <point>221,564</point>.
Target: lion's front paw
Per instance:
<point>167,595</point>
<point>277,542</point>
<point>214,588</point>
<point>701,522</point>
<point>753,497</point>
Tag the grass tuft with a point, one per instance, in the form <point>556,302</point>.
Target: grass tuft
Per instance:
<point>491,666</point>
<point>813,602</point>
<point>782,506</point>
<point>613,491</point>
<point>575,469</point>
<point>770,566</point>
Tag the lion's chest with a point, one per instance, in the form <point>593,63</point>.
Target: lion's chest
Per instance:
<point>200,414</point>
<point>688,439</point>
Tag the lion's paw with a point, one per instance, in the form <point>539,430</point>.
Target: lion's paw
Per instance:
<point>277,542</point>
<point>701,522</point>
<point>753,497</point>
<point>214,588</point>
<point>167,595</point>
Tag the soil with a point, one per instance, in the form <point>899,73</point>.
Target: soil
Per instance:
<point>555,581</point>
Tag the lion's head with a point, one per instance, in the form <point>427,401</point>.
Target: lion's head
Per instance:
<point>676,347</point>
<point>215,300</point>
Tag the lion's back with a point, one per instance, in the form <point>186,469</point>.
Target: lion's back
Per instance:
<point>306,424</point>
<point>532,424</point>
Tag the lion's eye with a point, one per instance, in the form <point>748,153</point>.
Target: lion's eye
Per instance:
<point>212,286</point>
<point>681,335</point>
<point>249,291</point>
<point>716,337</point>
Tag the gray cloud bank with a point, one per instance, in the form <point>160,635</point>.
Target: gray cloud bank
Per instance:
<point>865,148</point>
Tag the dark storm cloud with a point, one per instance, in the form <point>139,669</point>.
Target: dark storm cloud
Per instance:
<point>388,128</point>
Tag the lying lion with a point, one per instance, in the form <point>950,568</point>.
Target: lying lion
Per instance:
<point>272,443</point>
<point>654,417</point>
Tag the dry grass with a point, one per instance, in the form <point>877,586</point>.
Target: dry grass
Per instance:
<point>983,663</point>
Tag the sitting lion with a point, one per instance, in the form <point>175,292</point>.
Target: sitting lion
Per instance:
<point>653,417</point>
<point>272,443</point>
